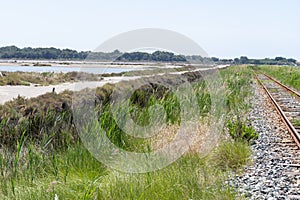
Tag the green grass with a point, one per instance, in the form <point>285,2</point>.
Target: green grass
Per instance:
<point>75,174</point>
<point>35,174</point>
<point>238,80</point>
<point>296,122</point>
<point>45,78</point>
<point>241,131</point>
<point>42,156</point>
<point>188,178</point>
<point>233,155</point>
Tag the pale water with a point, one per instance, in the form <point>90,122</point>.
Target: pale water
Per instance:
<point>93,70</point>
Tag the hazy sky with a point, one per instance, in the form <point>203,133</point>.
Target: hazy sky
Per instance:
<point>231,28</point>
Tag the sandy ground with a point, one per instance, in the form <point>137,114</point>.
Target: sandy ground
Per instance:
<point>8,93</point>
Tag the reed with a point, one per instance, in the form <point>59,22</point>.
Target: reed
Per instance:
<point>42,156</point>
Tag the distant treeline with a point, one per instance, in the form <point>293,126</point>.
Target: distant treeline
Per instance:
<point>265,61</point>
<point>160,56</point>
<point>13,52</point>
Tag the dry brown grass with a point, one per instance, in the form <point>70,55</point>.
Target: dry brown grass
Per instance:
<point>168,134</point>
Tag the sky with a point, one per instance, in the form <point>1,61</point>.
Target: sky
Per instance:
<point>225,29</point>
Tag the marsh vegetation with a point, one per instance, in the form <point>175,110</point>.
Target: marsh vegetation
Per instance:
<point>43,157</point>
<point>45,78</point>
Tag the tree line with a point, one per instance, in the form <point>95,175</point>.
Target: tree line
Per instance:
<point>264,61</point>
<point>159,56</point>
<point>13,52</point>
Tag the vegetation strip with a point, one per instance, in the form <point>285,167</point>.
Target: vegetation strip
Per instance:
<point>45,78</point>
<point>42,156</point>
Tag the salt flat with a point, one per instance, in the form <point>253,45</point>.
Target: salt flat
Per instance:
<point>8,92</point>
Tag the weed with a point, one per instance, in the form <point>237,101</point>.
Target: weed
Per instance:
<point>232,155</point>
<point>240,131</point>
<point>296,122</point>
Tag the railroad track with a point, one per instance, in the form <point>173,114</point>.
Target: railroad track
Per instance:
<point>275,171</point>
<point>286,102</point>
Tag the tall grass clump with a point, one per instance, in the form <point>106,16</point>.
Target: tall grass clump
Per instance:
<point>232,155</point>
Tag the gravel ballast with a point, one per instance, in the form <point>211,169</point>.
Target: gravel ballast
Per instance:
<point>273,173</point>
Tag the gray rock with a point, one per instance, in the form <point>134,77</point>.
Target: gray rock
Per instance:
<point>266,178</point>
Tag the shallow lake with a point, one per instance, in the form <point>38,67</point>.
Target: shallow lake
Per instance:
<point>94,70</point>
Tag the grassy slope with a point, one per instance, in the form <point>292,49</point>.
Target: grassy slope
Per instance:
<point>31,172</point>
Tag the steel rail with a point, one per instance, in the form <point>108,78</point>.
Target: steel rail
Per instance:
<point>279,83</point>
<point>294,133</point>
